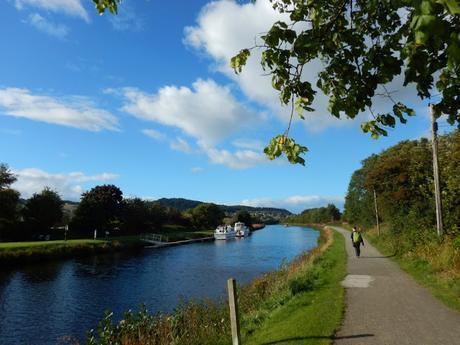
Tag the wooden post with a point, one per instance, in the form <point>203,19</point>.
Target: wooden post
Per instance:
<point>437,190</point>
<point>234,319</point>
<point>376,213</point>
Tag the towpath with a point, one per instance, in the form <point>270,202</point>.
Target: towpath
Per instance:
<point>384,306</point>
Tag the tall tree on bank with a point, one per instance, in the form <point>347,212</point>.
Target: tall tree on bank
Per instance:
<point>43,210</point>
<point>98,209</point>
<point>403,180</point>
<point>362,45</point>
<point>206,216</point>
<point>9,202</point>
<point>243,216</point>
<point>7,178</point>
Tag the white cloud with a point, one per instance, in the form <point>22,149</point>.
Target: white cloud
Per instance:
<point>197,170</point>
<point>248,144</point>
<point>241,159</point>
<point>42,24</point>
<point>75,111</point>
<point>181,145</point>
<point>68,185</point>
<point>295,203</point>
<point>69,7</point>
<point>224,28</point>
<point>152,133</point>
<point>207,112</point>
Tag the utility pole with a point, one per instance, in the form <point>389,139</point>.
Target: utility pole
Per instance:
<point>376,213</point>
<point>437,190</point>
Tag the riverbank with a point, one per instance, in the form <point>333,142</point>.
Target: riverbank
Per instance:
<point>28,252</point>
<point>37,251</point>
<point>279,306</point>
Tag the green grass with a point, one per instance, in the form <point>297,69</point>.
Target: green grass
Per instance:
<point>20,252</point>
<point>309,317</point>
<point>22,245</point>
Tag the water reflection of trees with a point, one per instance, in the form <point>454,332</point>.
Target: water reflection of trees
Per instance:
<point>106,265</point>
<point>43,272</point>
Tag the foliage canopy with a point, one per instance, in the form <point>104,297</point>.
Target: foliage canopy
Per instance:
<point>403,180</point>
<point>363,45</point>
<point>44,209</point>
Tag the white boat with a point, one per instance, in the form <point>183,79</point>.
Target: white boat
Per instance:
<point>224,232</point>
<point>241,230</point>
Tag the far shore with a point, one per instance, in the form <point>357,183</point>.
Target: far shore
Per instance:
<point>37,251</point>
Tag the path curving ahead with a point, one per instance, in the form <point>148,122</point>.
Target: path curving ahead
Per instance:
<point>384,306</point>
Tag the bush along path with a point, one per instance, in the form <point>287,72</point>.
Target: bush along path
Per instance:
<point>385,306</point>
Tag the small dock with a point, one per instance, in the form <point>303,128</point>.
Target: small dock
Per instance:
<point>159,241</point>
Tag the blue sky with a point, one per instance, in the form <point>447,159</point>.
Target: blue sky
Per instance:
<point>146,100</point>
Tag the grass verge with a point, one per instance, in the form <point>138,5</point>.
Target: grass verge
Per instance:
<point>315,310</point>
<point>301,303</point>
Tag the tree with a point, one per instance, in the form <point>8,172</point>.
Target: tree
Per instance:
<point>9,203</point>
<point>135,216</point>
<point>110,5</point>
<point>6,176</point>
<point>98,209</point>
<point>158,215</point>
<point>243,216</point>
<point>333,213</point>
<point>363,45</point>
<point>43,210</point>
<point>206,216</point>
<point>403,180</point>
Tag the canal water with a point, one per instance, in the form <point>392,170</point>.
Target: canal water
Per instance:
<point>49,302</point>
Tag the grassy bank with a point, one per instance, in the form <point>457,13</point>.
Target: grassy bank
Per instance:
<point>312,306</point>
<point>34,251</point>
<point>26,252</point>
<point>301,303</point>
<point>434,263</point>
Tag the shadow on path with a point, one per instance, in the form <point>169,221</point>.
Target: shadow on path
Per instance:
<point>318,337</point>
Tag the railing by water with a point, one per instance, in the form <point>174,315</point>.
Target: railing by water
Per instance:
<point>154,238</point>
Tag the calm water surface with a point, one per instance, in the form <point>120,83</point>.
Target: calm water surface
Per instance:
<point>40,304</point>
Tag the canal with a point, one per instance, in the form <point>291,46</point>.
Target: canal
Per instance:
<point>49,302</point>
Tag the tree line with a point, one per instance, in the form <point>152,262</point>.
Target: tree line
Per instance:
<point>103,208</point>
<point>402,178</point>
<point>329,213</point>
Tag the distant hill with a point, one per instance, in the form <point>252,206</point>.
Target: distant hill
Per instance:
<point>185,204</point>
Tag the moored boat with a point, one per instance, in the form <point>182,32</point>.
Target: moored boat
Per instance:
<point>241,230</point>
<point>224,232</point>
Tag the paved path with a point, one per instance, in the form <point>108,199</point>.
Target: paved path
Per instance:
<point>393,309</point>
